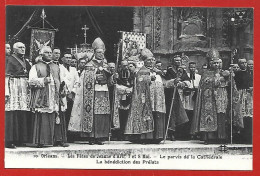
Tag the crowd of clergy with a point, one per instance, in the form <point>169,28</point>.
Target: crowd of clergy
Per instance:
<point>62,99</point>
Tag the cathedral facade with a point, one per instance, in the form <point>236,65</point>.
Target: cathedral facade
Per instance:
<point>193,31</point>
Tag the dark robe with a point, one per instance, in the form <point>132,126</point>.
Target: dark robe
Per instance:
<point>17,121</point>
<point>244,83</point>
<point>244,79</point>
<point>178,114</point>
<point>126,79</point>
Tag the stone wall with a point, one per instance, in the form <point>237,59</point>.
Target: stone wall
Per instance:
<point>191,31</point>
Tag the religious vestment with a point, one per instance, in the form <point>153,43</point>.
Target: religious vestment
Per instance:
<point>91,109</point>
<point>221,98</point>
<point>17,109</point>
<point>188,96</point>
<point>45,101</point>
<point>211,105</point>
<point>71,76</point>
<point>178,114</point>
<point>60,130</point>
<point>244,83</point>
<point>122,95</point>
<point>140,122</point>
<point>158,107</point>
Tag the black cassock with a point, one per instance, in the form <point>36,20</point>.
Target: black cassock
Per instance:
<point>17,116</point>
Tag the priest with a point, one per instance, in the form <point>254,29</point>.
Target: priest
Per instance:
<point>244,83</point>
<point>175,78</point>
<point>189,96</point>
<point>17,110</point>
<point>122,94</point>
<point>146,120</point>
<point>44,79</point>
<point>211,103</point>
<point>91,110</point>
<point>60,131</point>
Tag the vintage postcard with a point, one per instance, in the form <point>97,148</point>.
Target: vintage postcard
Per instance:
<point>129,87</point>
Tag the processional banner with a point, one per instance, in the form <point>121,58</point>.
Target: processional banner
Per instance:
<point>131,40</point>
<point>40,38</point>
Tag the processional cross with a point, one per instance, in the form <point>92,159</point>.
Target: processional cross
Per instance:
<point>85,28</point>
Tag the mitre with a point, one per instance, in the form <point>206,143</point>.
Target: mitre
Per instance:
<point>213,53</point>
<point>146,53</point>
<point>98,44</point>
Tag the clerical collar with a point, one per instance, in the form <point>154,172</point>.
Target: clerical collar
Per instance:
<point>56,62</point>
<point>192,75</point>
<point>46,62</point>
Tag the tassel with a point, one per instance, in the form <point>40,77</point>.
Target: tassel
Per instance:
<point>57,119</point>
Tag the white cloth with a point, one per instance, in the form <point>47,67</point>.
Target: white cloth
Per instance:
<point>188,101</point>
<point>77,110</point>
<point>18,92</point>
<point>157,94</point>
<point>71,76</point>
<point>196,81</point>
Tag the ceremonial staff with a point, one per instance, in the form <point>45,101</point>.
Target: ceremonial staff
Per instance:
<point>231,95</point>
<point>113,98</point>
<point>170,112</point>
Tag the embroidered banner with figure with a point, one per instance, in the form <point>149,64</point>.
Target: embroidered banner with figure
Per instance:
<point>40,38</point>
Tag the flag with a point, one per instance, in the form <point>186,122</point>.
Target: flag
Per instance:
<point>40,38</point>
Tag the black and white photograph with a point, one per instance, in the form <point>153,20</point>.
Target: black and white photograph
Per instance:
<point>109,87</point>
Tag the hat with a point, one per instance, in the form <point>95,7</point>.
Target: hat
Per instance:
<point>213,53</point>
<point>98,44</point>
<point>146,53</point>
